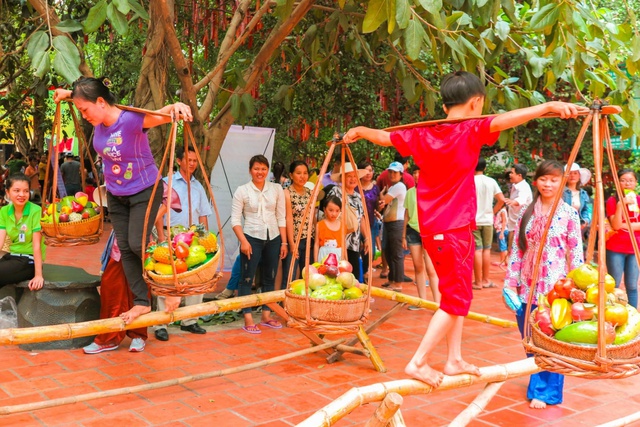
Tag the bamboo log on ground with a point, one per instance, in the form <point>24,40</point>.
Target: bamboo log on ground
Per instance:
<point>478,405</point>
<point>67,331</point>
<point>387,409</point>
<point>358,396</point>
<point>624,421</point>
<point>33,406</point>
<point>397,420</point>
<point>430,305</point>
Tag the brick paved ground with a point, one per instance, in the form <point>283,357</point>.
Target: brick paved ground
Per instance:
<point>288,392</point>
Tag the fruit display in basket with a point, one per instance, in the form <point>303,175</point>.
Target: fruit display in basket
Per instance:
<point>297,287</point>
<point>162,254</point>
<point>563,287</point>
<point>63,217</point>
<point>332,271</point>
<point>74,216</point>
<point>311,269</point>
<point>560,313</point>
<point>181,250</point>
<point>70,209</point>
<point>317,280</point>
<point>346,279</point>
<point>331,260</point>
<point>76,207</point>
<point>542,318</point>
<point>162,268</point>
<point>82,198</point>
<point>352,293</point>
<point>184,237</point>
<point>205,238</point>
<point>332,285</point>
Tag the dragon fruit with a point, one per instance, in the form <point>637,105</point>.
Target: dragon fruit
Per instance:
<point>186,237</point>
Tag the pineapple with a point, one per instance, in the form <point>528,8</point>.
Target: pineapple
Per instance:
<point>161,254</point>
<point>206,238</point>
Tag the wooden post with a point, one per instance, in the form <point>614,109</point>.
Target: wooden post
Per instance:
<point>387,409</point>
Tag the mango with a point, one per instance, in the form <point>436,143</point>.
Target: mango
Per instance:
<point>629,330</point>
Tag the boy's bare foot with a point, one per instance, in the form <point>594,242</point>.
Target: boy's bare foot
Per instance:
<point>460,367</point>
<point>425,374</point>
<point>537,404</point>
<point>135,312</point>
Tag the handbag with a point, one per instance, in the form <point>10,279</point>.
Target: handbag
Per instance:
<point>351,219</point>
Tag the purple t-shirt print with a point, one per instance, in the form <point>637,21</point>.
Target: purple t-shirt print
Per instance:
<point>129,166</point>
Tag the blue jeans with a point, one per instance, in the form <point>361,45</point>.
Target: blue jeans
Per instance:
<point>544,386</point>
<point>297,270</point>
<point>266,254</point>
<point>232,285</point>
<point>618,263</point>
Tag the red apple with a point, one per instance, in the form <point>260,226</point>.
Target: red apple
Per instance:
<point>63,218</point>
<point>344,265</point>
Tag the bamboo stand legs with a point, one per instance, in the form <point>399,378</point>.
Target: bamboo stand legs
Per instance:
<point>367,350</point>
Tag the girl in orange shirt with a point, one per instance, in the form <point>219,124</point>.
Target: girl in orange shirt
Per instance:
<point>328,235</point>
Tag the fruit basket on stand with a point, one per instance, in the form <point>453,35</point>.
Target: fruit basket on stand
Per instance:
<point>328,299</point>
<point>69,219</point>
<point>188,262</point>
<point>561,332</point>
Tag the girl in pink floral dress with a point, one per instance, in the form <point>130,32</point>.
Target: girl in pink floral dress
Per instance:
<point>561,252</point>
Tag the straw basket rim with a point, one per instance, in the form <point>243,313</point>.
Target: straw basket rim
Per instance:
<point>168,278</point>
<point>48,229</point>
<point>587,352</point>
<point>322,310</point>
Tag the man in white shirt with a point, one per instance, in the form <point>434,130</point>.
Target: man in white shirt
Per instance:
<point>200,210</point>
<point>520,196</point>
<point>487,189</point>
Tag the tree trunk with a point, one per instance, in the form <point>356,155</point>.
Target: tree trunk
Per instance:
<point>217,131</point>
<point>151,92</point>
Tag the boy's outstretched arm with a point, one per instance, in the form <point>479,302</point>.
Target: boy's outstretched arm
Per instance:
<point>517,117</point>
<point>377,136</point>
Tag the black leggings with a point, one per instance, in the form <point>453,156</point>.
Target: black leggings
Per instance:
<point>127,216</point>
<point>15,269</point>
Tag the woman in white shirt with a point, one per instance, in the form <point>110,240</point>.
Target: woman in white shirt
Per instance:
<point>262,238</point>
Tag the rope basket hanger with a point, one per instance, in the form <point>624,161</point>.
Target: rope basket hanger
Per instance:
<point>325,316</point>
<point>600,361</point>
<point>69,220</point>
<point>202,277</point>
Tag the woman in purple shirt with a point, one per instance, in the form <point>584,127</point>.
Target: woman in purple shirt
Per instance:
<point>130,173</point>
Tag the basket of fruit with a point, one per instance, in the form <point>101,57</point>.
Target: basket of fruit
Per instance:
<point>72,219</point>
<point>186,266</point>
<point>335,301</point>
<point>564,328</point>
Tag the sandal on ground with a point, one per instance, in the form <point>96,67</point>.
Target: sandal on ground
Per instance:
<point>252,329</point>
<point>273,324</point>
<point>490,285</point>
<point>385,285</point>
<point>476,287</point>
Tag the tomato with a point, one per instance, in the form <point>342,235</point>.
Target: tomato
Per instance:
<point>616,314</point>
<point>181,266</point>
<point>181,250</point>
<point>563,287</point>
<point>551,296</point>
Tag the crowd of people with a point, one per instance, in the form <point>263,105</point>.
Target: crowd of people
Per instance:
<point>443,211</point>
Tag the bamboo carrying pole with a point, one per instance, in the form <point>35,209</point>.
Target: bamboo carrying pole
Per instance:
<point>74,330</point>
<point>387,409</point>
<point>16,336</point>
<point>359,396</point>
<point>476,407</point>
<point>624,421</point>
<point>26,407</point>
<point>430,305</point>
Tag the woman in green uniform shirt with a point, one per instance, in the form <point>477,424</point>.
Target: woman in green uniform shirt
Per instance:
<point>20,220</point>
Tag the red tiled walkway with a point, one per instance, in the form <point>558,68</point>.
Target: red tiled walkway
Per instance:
<point>286,393</point>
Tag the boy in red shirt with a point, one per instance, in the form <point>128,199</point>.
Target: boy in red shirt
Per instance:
<point>447,155</point>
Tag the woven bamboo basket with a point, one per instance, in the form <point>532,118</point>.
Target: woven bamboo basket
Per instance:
<point>334,311</point>
<point>193,282</point>
<point>84,229</point>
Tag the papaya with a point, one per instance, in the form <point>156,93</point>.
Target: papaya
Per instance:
<point>579,332</point>
<point>629,330</point>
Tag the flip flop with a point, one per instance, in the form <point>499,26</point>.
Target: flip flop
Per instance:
<point>490,285</point>
<point>476,287</point>
<point>273,324</point>
<point>253,329</point>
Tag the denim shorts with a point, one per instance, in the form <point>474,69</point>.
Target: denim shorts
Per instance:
<point>413,237</point>
<point>503,243</point>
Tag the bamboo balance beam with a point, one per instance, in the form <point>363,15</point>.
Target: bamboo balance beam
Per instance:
<point>73,330</point>
<point>359,396</point>
<point>33,406</point>
<point>16,336</point>
<point>478,405</point>
<point>387,409</point>
<point>624,421</point>
<point>400,297</point>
